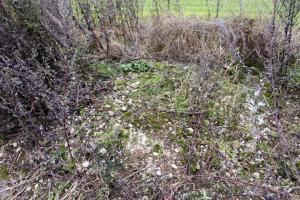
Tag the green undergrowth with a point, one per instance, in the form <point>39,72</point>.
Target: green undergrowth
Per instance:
<point>158,95</point>
<point>153,109</point>
<point>108,71</point>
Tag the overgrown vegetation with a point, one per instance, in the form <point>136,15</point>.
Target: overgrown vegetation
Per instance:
<point>134,99</point>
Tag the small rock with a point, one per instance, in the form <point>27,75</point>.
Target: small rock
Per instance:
<point>158,173</point>
<point>174,166</point>
<point>72,130</point>
<point>144,198</point>
<point>85,164</point>
<point>124,108</point>
<point>135,84</point>
<point>101,125</point>
<point>18,149</point>
<point>14,144</point>
<point>256,175</point>
<point>28,188</point>
<point>107,106</point>
<point>111,113</point>
<point>129,102</point>
<point>190,130</point>
<point>103,151</point>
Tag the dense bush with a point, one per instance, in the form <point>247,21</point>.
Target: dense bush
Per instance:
<point>32,80</point>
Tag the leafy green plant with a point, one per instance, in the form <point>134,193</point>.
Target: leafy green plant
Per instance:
<point>135,66</point>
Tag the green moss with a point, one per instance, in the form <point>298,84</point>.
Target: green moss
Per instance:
<point>264,146</point>
<point>157,121</point>
<point>157,148</point>
<point>4,172</point>
<point>215,160</point>
<point>104,70</point>
<point>113,138</point>
<point>246,155</point>
<point>127,115</point>
<point>69,167</point>
<point>181,102</point>
<point>123,135</point>
<point>120,84</point>
<point>298,165</point>
<point>226,147</point>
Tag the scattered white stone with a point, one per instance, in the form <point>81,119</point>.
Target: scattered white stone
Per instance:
<point>155,153</point>
<point>266,130</point>
<point>103,151</point>
<point>102,125</point>
<point>256,175</point>
<point>18,150</point>
<point>190,130</point>
<point>260,120</point>
<point>14,144</point>
<point>72,130</point>
<point>107,106</point>
<point>158,173</point>
<point>257,93</point>
<point>144,198</point>
<point>138,141</point>
<point>177,150</point>
<point>129,102</point>
<point>259,152</point>
<point>28,188</point>
<point>85,164</point>
<point>261,104</point>
<point>135,84</point>
<point>111,113</point>
<point>174,166</point>
<point>123,108</point>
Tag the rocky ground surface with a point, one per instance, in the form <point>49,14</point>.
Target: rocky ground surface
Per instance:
<point>145,140</point>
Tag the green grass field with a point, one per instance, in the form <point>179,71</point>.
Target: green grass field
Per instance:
<point>208,8</point>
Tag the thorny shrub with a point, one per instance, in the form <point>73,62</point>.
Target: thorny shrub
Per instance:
<point>36,83</point>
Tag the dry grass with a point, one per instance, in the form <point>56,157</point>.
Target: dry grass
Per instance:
<point>191,40</point>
